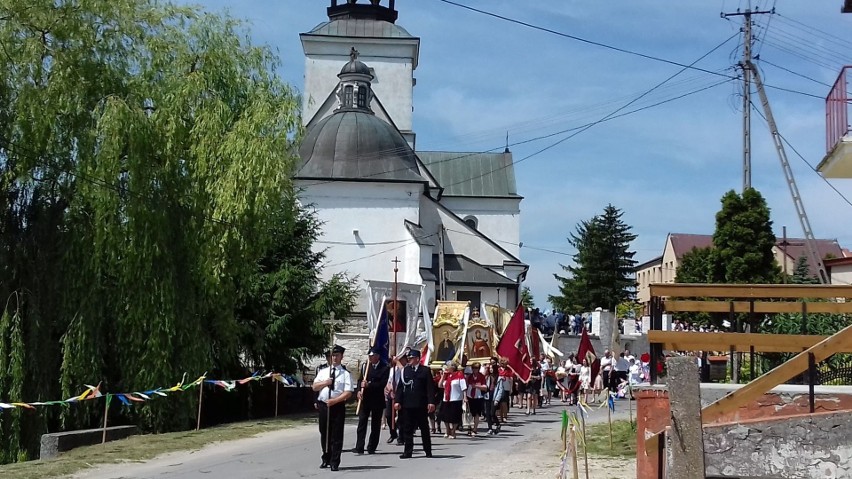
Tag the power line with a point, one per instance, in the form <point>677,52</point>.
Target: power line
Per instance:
<point>763,60</point>
<point>370,255</point>
<point>586,127</point>
<point>519,245</point>
<point>374,243</point>
<point>812,167</point>
<point>609,47</point>
<point>802,26</point>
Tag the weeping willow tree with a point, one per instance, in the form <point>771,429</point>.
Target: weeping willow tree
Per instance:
<point>145,154</point>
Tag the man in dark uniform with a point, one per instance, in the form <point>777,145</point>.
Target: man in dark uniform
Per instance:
<point>415,397</point>
<point>371,394</point>
<point>335,387</point>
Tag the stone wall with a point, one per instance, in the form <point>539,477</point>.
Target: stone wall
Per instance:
<point>653,413</point>
<point>636,343</point>
<point>814,446</point>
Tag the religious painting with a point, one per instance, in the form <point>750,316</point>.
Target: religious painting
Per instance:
<point>447,331</point>
<point>479,340</point>
<point>397,324</point>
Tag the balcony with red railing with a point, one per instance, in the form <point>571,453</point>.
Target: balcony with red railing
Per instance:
<point>838,133</point>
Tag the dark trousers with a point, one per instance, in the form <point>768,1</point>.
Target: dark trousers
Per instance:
<point>609,380</point>
<point>393,424</point>
<point>371,413</point>
<point>331,419</point>
<point>491,414</point>
<point>415,418</point>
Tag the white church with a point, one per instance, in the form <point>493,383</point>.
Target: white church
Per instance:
<point>452,219</point>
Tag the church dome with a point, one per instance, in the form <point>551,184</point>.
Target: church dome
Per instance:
<point>356,145</point>
<point>356,66</point>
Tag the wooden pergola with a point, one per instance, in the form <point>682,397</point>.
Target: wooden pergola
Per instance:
<point>753,299</point>
<point>741,298</point>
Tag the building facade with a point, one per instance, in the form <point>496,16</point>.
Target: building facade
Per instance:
<point>451,219</point>
<point>663,269</point>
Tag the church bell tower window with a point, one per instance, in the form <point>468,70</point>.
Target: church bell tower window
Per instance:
<point>362,96</point>
<point>347,96</point>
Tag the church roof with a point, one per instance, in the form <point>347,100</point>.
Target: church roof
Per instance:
<point>472,174</point>
<point>360,27</point>
<point>356,145</point>
<point>419,234</point>
<point>463,270</point>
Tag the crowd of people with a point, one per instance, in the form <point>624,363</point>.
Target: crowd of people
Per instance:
<point>403,396</point>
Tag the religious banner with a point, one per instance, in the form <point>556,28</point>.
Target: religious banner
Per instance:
<point>404,317</point>
<point>448,328</point>
<point>479,339</point>
<point>498,316</point>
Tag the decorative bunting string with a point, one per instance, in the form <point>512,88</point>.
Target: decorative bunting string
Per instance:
<point>129,398</point>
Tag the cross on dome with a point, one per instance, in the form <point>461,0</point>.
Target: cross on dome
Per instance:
<point>353,54</point>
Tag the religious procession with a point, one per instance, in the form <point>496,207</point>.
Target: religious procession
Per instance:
<point>465,383</point>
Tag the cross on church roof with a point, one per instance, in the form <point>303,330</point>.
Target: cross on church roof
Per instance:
<point>353,54</point>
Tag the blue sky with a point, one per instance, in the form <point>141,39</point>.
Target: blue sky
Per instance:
<point>666,166</point>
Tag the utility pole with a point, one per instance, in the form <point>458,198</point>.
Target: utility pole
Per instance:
<point>810,239</point>
<point>746,66</point>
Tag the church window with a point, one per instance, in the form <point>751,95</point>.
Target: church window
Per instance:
<point>475,297</point>
<point>471,221</point>
<point>347,96</point>
<point>362,96</point>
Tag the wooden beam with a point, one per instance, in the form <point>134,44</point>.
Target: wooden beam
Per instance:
<point>756,291</point>
<point>686,447</point>
<point>760,386</point>
<point>760,307</point>
<point>762,343</point>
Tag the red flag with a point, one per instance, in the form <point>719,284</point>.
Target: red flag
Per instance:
<point>513,345</point>
<point>535,344</point>
<point>587,352</point>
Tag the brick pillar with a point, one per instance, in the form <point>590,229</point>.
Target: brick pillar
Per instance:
<point>652,415</point>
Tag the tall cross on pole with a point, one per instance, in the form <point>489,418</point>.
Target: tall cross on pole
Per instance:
<point>395,302</point>
<point>331,323</point>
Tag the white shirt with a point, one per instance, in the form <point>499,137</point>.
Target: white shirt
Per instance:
<point>342,382</point>
<point>393,377</point>
<point>457,388</point>
<point>606,363</point>
<point>635,371</point>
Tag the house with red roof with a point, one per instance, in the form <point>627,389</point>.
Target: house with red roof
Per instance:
<point>663,268</point>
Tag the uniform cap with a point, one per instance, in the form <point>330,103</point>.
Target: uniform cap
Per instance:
<point>337,349</point>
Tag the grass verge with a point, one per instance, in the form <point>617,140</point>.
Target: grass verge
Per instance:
<point>141,448</point>
<point>623,440</point>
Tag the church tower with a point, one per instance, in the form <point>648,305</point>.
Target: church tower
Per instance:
<point>389,49</point>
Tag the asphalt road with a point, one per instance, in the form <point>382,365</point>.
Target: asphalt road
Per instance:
<point>295,452</point>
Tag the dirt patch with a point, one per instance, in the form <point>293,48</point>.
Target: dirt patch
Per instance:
<point>539,456</point>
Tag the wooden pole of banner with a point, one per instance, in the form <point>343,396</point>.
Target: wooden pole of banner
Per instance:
<point>200,399</point>
<point>630,403</point>
<point>361,385</point>
<point>585,444</point>
<point>609,417</point>
<point>395,302</point>
<point>106,414</point>
<point>574,463</point>
<point>276,394</point>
